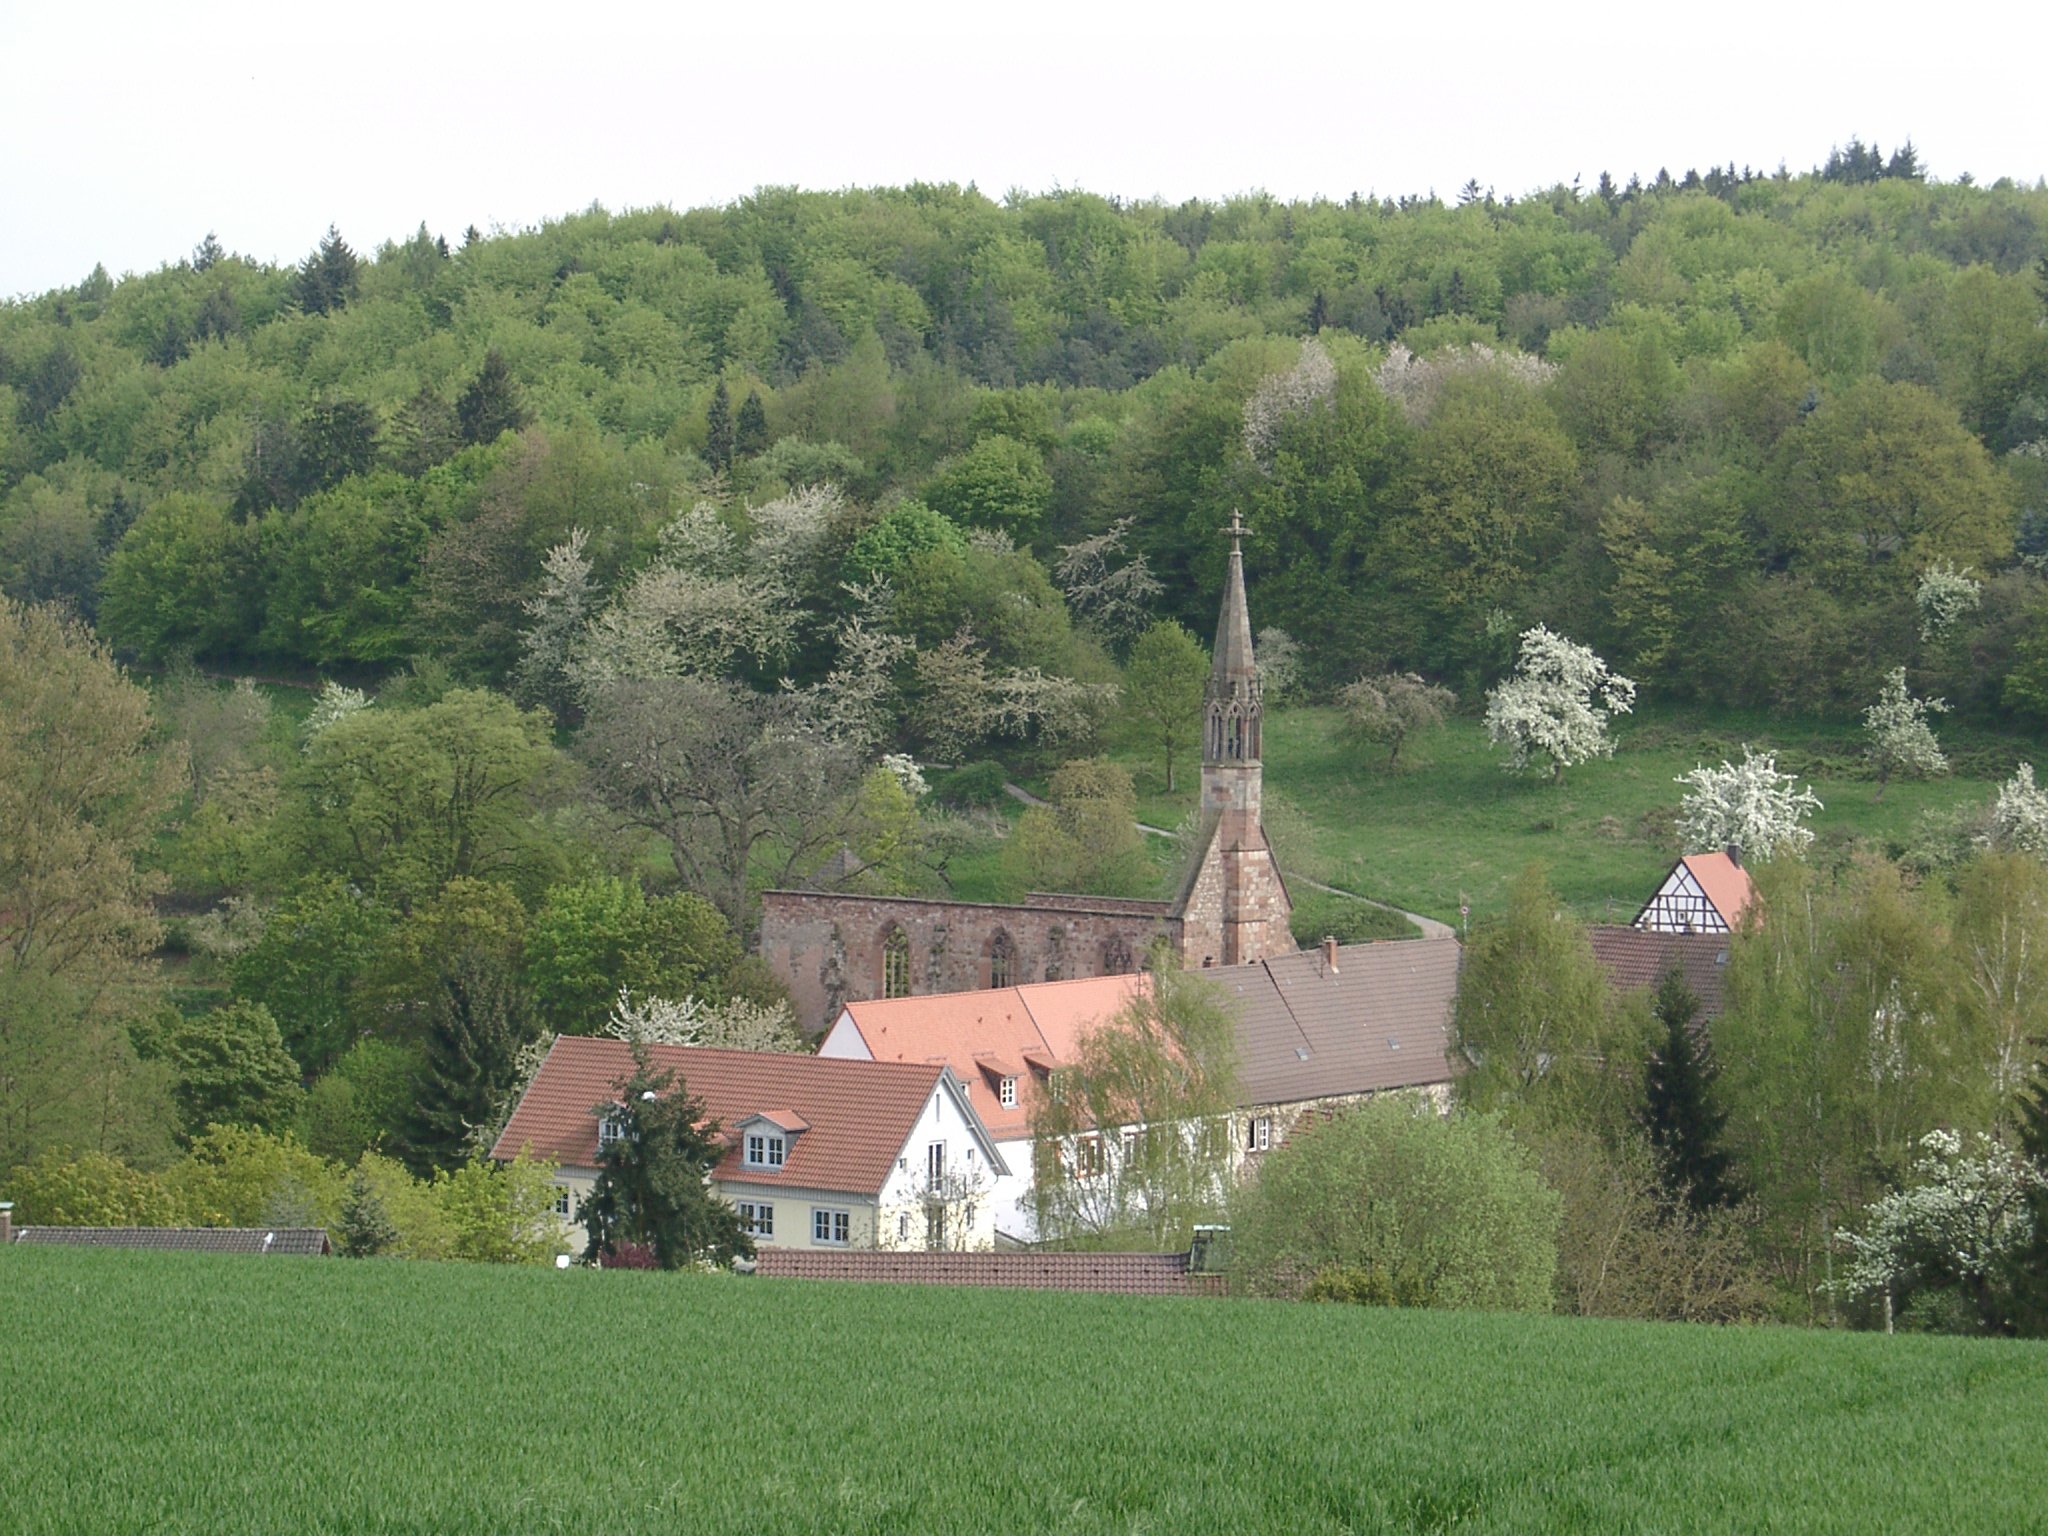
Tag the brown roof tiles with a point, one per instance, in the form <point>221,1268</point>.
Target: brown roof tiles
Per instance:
<point>859,1113</point>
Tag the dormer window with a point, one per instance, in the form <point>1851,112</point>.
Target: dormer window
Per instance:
<point>765,1150</point>
<point>1006,1093</point>
<point>610,1129</point>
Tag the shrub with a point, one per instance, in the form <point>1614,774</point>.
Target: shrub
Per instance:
<point>92,1190</point>
<point>1443,1208</point>
<point>977,784</point>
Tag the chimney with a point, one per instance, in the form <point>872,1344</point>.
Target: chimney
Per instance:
<point>1330,953</point>
<point>6,1222</point>
<point>1735,854</point>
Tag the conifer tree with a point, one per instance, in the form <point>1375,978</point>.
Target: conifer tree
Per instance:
<point>490,405</point>
<point>366,1227</point>
<point>479,1018</point>
<point>207,253</point>
<point>718,429</point>
<point>750,430</point>
<point>650,1184</point>
<point>1678,1112</point>
<point>327,279</point>
<point>2026,1276</point>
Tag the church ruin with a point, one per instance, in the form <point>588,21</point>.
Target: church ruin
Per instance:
<point>832,949</point>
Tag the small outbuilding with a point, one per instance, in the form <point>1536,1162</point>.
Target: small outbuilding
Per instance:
<point>298,1242</point>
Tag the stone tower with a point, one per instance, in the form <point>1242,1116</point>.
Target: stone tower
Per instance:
<point>1233,907</point>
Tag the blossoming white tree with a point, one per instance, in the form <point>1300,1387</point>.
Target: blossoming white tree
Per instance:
<point>1901,741</point>
<point>1953,1227</point>
<point>331,706</point>
<point>2019,816</point>
<point>1557,704</point>
<point>737,1025</point>
<point>1944,595</point>
<point>1309,383</point>
<point>1750,806</point>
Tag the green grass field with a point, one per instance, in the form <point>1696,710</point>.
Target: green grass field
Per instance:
<point>1451,824</point>
<point>173,1392</point>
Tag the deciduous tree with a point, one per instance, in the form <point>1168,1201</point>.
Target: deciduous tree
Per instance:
<point>1163,690</point>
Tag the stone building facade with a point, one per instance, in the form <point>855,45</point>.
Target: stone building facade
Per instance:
<point>1232,909</point>
<point>831,950</point>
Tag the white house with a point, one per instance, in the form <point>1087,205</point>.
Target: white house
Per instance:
<point>1314,1029</point>
<point>819,1153</point>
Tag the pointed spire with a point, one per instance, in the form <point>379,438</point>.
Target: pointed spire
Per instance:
<point>1234,659</point>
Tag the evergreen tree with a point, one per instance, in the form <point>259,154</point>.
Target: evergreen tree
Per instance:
<point>2026,1277</point>
<point>207,253</point>
<point>718,429</point>
<point>366,1227</point>
<point>327,278</point>
<point>479,1019</point>
<point>337,438</point>
<point>750,430</point>
<point>490,406</point>
<point>427,433</point>
<point>1678,1109</point>
<point>650,1184</point>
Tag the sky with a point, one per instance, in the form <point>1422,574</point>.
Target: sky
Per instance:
<point>129,131</point>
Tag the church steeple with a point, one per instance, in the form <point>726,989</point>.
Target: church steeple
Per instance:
<point>1233,906</point>
<point>1234,713</point>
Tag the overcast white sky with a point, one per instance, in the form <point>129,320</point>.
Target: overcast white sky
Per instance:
<point>130,129</point>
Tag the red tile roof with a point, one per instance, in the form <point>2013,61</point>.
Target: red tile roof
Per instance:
<point>1378,1020</point>
<point>860,1113</point>
<point>991,1031</point>
<point>1637,957</point>
<point>1125,1274</point>
<point>1726,883</point>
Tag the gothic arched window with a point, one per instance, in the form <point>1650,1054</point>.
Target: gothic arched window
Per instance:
<point>1002,961</point>
<point>895,963</point>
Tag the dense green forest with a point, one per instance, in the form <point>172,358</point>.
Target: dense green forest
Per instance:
<point>1728,421</point>
<point>514,610</point>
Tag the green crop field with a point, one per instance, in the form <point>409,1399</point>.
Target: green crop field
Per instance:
<point>1453,825</point>
<point>173,1392</point>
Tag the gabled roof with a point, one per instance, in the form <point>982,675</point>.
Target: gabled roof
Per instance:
<point>1714,878</point>
<point>1380,1019</point>
<point>1726,883</point>
<point>858,1114</point>
<point>304,1242</point>
<point>1638,957</point>
<point>992,1032</point>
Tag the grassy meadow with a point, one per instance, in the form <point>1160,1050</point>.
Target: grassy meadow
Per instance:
<point>180,1392</point>
<point>1450,825</point>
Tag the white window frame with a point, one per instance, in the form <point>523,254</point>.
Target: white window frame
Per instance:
<point>765,1151</point>
<point>1006,1093</point>
<point>1258,1136</point>
<point>935,1162</point>
<point>831,1227</point>
<point>610,1128</point>
<point>565,1199</point>
<point>757,1218</point>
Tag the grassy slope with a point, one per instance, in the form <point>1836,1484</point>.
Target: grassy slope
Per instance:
<point>175,1392</point>
<point>1460,826</point>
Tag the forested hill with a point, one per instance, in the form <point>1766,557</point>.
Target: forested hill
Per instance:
<point>1724,425</point>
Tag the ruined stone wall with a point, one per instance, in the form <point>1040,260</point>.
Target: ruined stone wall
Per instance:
<point>828,949</point>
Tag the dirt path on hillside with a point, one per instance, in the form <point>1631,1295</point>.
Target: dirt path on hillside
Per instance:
<point>1431,928</point>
